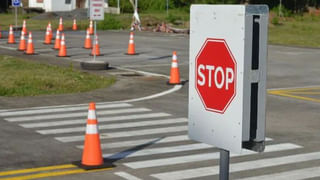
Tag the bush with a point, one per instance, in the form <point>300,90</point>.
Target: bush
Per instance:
<point>109,22</point>
<point>275,20</point>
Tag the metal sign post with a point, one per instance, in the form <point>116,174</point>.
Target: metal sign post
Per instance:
<point>16,4</point>
<point>224,165</point>
<point>95,40</point>
<point>95,13</point>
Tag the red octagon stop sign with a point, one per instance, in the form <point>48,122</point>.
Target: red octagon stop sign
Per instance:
<point>216,75</point>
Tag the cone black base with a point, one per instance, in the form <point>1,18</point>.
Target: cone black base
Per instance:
<point>88,168</point>
<point>62,56</point>
<point>132,54</point>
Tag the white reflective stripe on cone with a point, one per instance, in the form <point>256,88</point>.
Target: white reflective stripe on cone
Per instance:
<point>92,114</point>
<point>174,57</point>
<point>92,129</point>
<point>174,65</point>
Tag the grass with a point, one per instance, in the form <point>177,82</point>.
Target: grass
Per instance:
<point>34,24</point>
<point>24,78</point>
<point>296,31</point>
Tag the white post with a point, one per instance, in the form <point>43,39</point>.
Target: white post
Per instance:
<point>16,12</point>
<point>136,3</point>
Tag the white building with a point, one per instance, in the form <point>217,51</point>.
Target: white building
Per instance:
<point>58,5</point>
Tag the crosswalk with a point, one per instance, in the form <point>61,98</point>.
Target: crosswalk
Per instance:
<point>156,144</point>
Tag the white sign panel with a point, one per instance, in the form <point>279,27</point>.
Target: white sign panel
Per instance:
<point>97,10</point>
<point>226,91</point>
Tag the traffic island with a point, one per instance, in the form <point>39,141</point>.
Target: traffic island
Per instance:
<point>94,65</point>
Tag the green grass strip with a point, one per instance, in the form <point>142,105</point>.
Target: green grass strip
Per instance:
<point>20,77</point>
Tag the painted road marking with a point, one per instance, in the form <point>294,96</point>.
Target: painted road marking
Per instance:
<point>204,157</point>
<point>133,143</point>
<point>298,93</point>
<point>292,175</point>
<point>78,114</point>
<point>126,133</point>
<point>242,166</point>
<point>162,150</point>
<point>100,119</point>
<point>62,109</point>
<point>115,126</point>
<point>126,175</point>
<point>42,172</point>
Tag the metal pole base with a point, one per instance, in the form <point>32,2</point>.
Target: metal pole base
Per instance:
<point>224,164</point>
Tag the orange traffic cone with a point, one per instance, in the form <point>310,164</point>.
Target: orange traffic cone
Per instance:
<point>63,48</point>
<point>60,24</point>
<point>11,36</point>
<point>30,49</point>
<point>58,41</point>
<point>74,26</point>
<point>50,31</point>
<point>174,73</point>
<point>47,39</point>
<point>96,49</point>
<point>131,46</point>
<point>24,27</point>
<point>92,155</point>
<point>87,42</point>
<point>91,28</point>
<point>22,45</point>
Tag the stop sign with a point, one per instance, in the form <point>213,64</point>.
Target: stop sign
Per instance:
<point>215,75</point>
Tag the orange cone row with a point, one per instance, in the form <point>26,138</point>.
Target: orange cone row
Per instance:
<point>131,45</point>
<point>60,28</point>
<point>174,73</point>
<point>96,49</point>
<point>30,49</point>
<point>24,27</point>
<point>63,48</point>
<point>48,37</point>
<point>87,42</point>
<point>22,45</point>
<point>74,26</point>
<point>91,30</point>
<point>11,39</point>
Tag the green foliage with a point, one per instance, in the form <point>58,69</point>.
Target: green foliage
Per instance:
<point>109,22</point>
<point>275,20</point>
<point>284,11</point>
<point>172,18</point>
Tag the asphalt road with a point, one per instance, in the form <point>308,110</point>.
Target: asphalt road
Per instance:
<point>147,138</point>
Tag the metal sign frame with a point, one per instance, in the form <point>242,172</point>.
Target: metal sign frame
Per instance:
<point>244,28</point>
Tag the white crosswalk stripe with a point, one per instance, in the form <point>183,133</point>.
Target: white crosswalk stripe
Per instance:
<point>62,109</point>
<point>152,151</point>
<point>153,141</point>
<point>242,166</point>
<point>115,126</point>
<point>292,175</point>
<point>126,133</point>
<point>103,119</point>
<point>77,114</point>
<point>139,142</point>
<point>204,156</point>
